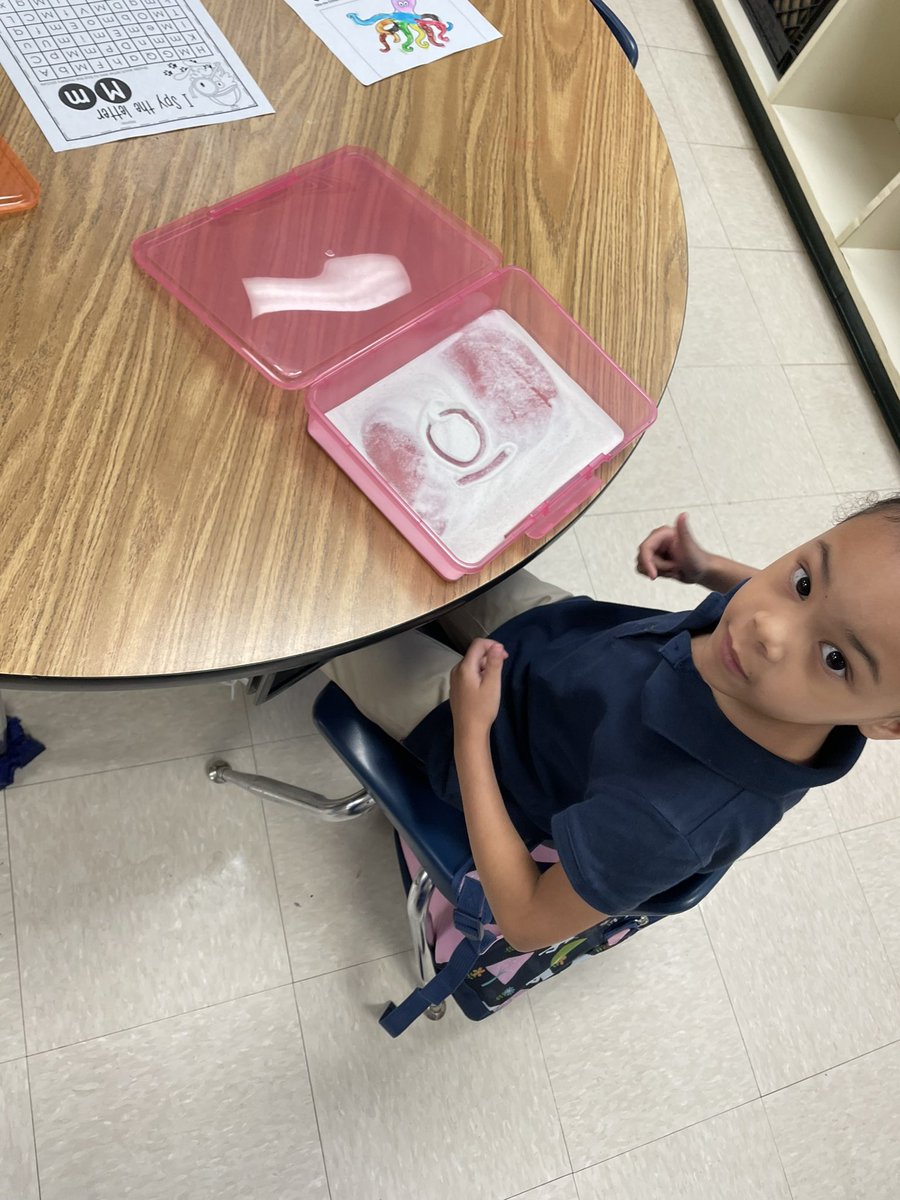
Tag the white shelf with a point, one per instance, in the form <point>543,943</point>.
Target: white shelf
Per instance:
<point>877,276</point>
<point>847,159</point>
<point>878,227</point>
<point>850,64</point>
<point>836,116</point>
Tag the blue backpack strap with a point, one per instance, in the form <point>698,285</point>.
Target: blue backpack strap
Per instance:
<point>470,916</point>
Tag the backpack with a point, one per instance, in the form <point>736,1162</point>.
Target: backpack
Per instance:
<point>476,965</point>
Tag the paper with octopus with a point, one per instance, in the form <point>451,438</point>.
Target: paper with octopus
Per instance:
<point>375,39</point>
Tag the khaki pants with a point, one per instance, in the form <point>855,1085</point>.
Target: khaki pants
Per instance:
<point>398,681</point>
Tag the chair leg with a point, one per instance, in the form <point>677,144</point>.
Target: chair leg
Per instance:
<point>343,808</point>
<point>417,912</point>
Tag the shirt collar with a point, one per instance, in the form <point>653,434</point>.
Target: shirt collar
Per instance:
<point>678,705</point>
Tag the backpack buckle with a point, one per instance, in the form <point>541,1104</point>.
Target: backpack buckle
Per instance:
<point>469,925</point>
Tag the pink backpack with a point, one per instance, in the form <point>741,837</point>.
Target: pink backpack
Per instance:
<point>476,965</point>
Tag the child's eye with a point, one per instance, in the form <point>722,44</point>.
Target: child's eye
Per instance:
<point>801,581</point>
<point>833,659</point>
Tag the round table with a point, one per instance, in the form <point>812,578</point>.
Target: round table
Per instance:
<point>164,513</point>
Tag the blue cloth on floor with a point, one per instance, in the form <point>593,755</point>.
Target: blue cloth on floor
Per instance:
<point>20,749</point>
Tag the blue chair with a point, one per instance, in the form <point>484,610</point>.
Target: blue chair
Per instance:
<point>435,832</point>
<point>619,31</point>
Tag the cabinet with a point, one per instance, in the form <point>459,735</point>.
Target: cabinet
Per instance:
<point>830,130</point>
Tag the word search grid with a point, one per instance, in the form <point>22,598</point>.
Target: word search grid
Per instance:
<point>107,60</point>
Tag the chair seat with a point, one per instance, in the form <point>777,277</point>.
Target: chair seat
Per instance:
<point>433,830</point>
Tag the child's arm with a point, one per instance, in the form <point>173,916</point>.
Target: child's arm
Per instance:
<point>671,552</point>
<point>532,909</point>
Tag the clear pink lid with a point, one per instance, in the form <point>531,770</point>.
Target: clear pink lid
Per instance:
<point>309,269</point>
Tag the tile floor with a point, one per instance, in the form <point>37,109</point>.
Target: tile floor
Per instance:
<point>189,978</point>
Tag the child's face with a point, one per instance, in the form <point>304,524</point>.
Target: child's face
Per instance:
<point>814,639</point>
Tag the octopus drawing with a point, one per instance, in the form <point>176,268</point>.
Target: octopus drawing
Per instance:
<point>405,25</point>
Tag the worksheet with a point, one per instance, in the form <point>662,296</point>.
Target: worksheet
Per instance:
<point>375,39</point>
<point>105,70</point>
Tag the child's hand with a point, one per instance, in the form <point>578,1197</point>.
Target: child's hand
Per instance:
<point>475,687</point>
<point>670,551</point>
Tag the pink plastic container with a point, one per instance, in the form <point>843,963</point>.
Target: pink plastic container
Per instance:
<point>339,273</point>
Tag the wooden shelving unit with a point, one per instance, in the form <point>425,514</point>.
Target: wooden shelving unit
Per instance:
<point>830,131</point>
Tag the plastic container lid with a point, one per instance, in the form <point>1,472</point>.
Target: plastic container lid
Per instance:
<point>308,270</point>
<point>18,189</point>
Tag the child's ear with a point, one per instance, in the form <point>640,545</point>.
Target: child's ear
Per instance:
<point>884,731</point>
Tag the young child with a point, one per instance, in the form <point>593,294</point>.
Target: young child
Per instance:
<point>649,746</point>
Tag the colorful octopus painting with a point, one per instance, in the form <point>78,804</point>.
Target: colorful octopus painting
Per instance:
<point>407,25</point>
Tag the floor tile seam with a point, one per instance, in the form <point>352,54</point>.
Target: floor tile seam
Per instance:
<point>537,1187</point>
<point>780,367</point>
<point>294,737</point>
<point>893,1039</point>
<point>894,967</point>
<point>752,147</point>
<point>795,250</point>
<point>175,1016</point>
<point>821,362</point>
<point>156,762</point>
<point>635,512</point>
<point>559,1119</point>
<point>666,93</point>
<point>581,527</point>
<point>711,53</point>
<point>290,982</point>
<point>778,206</point>
<point>278,899</point>
<point>573,528</point>
<point>712,501</point>
<point>690,445</point>
<point>295,983</point>
<point>312,1094</point>
<point>865,824</point>
<point>854,1058</point>
<point>702,178</point>
<point>773,359</point>
<point>826,299</point>
<point>294,978</point>
<point>803,841</point>
<point>15,930</point>
<point>731,1005</point>
<point>645,45</point>
<point>694,141</point>
<point>12,900</point>
<point>775,1143</point>
<point>671,1133</point>
<point>37,1160</point>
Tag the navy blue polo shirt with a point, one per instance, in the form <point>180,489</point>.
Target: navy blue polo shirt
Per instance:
<point>610,743</point>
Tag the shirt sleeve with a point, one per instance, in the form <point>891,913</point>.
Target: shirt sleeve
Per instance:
<point>619,851</point>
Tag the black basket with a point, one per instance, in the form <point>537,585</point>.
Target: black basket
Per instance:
<point>785,26</point>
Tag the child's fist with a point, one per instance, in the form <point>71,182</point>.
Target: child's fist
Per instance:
<point>671,552</point>
<point>475,687</point>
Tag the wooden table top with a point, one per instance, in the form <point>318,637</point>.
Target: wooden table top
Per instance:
<point>163,510</point>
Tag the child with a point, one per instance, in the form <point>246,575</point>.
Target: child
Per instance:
<point>649,746</point>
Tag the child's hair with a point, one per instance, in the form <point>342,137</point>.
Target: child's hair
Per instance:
<point>888,507</point>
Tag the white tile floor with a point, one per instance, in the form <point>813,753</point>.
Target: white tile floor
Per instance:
<point>189,980</point>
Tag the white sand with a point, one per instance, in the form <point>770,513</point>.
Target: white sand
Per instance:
<point>473,440</point>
